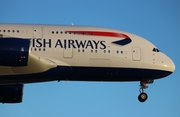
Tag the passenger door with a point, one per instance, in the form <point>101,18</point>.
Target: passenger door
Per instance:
<point>67,52</point>
<point>136,53</point>
<point>37,32</point>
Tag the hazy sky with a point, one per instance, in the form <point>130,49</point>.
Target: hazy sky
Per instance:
<point>158,21</point>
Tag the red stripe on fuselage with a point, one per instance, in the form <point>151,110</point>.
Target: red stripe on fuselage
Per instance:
<point>99,33</point>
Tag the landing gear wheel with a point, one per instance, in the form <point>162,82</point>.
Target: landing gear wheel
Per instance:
<point>142,97</point>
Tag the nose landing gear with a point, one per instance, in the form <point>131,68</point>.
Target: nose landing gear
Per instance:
<point>143,96</point>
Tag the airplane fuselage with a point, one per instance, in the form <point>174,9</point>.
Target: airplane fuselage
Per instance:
<point>83,53</point>
<point>38,53</point>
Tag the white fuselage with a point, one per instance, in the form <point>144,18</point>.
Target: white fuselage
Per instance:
<point>79,48</point>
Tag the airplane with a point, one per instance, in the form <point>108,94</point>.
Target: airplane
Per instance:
<point>31,53</point>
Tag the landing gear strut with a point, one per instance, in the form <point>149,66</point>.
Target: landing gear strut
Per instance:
<point>143,96</point>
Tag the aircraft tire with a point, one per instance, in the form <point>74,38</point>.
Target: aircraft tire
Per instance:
<point>142,97</point>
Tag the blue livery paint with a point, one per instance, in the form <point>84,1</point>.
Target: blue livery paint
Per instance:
<point>11,93</point>
<point>76,73</point>
<point>123,42</point>
<point>14,51</point>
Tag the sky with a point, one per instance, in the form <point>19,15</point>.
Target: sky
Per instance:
<point>156,20</point>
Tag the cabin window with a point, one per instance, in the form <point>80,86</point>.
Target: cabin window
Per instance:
<point>4,30</point>
<point>17,31</point>
<point>13,31</point>
<point>57,32</point>
<point>8,30</point>
<point>52,32</point>
<point>104,51</point>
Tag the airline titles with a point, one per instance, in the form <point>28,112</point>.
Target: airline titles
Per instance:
<point>69,43</point>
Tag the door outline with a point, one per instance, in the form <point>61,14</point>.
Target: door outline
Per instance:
<point>136,53</point>
<point>37,32</point>
<point>67,52</point>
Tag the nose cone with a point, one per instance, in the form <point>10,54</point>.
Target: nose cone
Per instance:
<point>170,65</point>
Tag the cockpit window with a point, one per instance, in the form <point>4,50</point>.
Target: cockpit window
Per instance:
<point>156,50</point>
